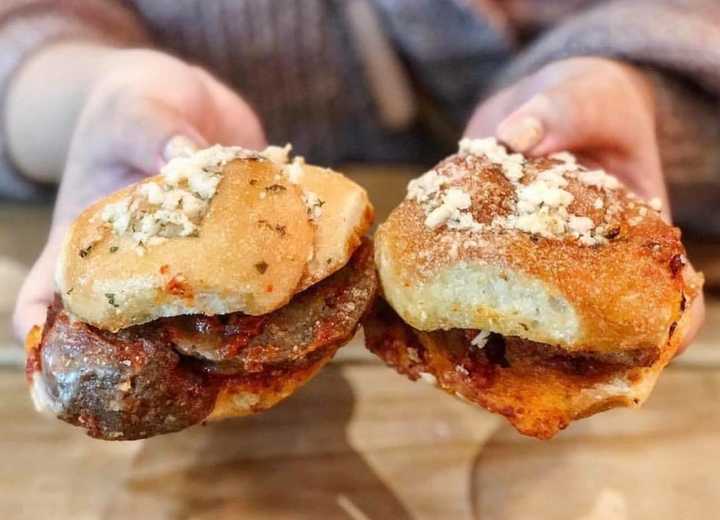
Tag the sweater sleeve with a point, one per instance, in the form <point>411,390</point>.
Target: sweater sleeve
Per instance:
<point>28,25</point>
<point>676,42</point>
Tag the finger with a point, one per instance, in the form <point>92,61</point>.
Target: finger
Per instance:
<point>582,116</point>
<point>136,132</point>
<point>559,119</point>
<point>134,146</point>
<point>236,122</point>
<point>487,116</point>
<point>582,112</point>
<point>37,290</point>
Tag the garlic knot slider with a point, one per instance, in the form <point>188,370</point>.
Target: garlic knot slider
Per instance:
<point>534,287</point>
<point>214,289</point>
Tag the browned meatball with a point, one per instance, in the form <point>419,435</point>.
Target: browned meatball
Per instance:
<point>121,386</point>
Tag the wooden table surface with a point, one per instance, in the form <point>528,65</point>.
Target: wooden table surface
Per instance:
<point>360,442</point>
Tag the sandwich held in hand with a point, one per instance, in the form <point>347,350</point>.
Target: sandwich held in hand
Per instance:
<point>214,289</point>
<point>536,288</point>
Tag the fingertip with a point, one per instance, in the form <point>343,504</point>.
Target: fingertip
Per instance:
<point>527,127</point>
<point>179,145</point>
<point>521,133</point>
<point>26,317</point>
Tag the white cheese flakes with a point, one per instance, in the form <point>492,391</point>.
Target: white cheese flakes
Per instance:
<point>580,225</point>
<point>598,179</point>
<point>426,186</point>
<point>174,206</point>
<point>462,370</point>
<point>152,192</point>
<point>294,170</point>
<point>314,204</point>
<point>428,378</point>
<point>511,164</point>
<point>277,154</point>
<point>542,204</point>
<point>481,339</point>
<point>117,215</point>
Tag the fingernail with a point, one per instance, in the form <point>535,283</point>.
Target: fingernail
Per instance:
<point>179,146</point>
<point>521,134</point>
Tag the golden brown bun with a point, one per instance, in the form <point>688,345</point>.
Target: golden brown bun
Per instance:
<point>620,290</point>
<point>257,246</point>
<point>346,215</point>
<point>239,397</point>
<point>538,395</point>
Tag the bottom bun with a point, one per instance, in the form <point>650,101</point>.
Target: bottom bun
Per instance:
<point>240,396</point>
<point>539,394</point>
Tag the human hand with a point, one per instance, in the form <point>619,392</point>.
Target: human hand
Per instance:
<point>142,108</point>
<point>599,109</point>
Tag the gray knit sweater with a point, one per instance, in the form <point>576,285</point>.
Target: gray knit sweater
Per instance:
<point>309,67</point>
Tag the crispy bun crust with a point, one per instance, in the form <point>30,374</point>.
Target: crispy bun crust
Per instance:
<point>346,215</point>
<point>620,295</point>
<point>256,247</point>
<point>246,396</point>
<point>539,396</point>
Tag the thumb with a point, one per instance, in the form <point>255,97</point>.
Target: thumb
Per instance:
<point>585,113</point>
<point>575,117</point>
<point>132,146</point>
<point>558,119</point>
<point>235,123</point>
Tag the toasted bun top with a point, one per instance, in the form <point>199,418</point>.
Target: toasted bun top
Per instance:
<point>543,249</point>
<point>223,230</point>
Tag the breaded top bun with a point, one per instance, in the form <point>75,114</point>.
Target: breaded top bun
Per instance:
<point>221,230</point>
<point>543,249</point>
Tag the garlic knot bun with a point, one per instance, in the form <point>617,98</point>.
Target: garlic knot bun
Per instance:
<point>222,230</point>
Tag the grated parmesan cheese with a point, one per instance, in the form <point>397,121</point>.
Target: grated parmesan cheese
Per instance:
<point>293,171</point>
<point>428,378</point>
<point>462,370</point>
<point>511,164</point>
<point>481,339</point>
<point>117,215</point>
<point>426,186</point>
<point>314,204</point>
<point>455,200</point>
<point>175,205</point>
<point>599,179</point>
<point>542,204</point>
<point>580,225</point>
<point>277,154</point>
